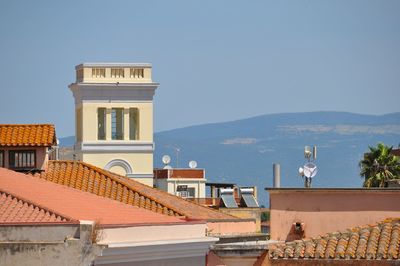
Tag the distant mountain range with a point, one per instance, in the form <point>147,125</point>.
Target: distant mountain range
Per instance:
<point>243,151</point>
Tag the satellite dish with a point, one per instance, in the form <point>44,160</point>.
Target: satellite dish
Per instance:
<point>192,164</point>
<point>310,170</point>
<point>166,159</point>
<point>301,171</point>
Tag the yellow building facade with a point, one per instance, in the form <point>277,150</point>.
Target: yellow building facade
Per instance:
<point>114,118</point>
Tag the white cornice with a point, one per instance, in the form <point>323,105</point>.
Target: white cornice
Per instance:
<point>115,146</point>
<point>132,92</point>
<point>155,250</point>
<point>138,176</point>
<point>114,84</point>
<point>143,65</point>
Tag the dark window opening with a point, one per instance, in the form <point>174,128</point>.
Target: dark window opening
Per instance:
<point>1,158</point>
<point>22,160</point>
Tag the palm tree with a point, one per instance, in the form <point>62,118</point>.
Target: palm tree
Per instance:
<point>379,166</point>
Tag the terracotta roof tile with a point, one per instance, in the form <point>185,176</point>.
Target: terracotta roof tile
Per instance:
<point>89,178</point>
<point>17,210</point>
<point>27,135</point>
<point>373,242</point>
<point>52,200</point>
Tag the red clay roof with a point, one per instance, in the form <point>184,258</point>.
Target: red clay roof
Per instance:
<point>379,241</point>
<point>179,173</point>
<point>396,152</point>
<point>16,210</point>
<point>103,183</point>
<point>76,204</point>
<point>27,135</point>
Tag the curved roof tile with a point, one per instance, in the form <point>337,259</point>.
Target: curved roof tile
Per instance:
<point>27,135</point>
<point>103,183</point>
<point>373,242</point>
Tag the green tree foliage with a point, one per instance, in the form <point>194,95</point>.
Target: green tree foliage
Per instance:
<point>379,166</point>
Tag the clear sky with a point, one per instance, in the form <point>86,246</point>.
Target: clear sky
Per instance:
<point>215,60</point>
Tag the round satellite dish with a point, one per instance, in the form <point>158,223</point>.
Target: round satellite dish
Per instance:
<point>301,171</point>
<point>192,164</point>
<point>166,159</point>
<point>310,170</point>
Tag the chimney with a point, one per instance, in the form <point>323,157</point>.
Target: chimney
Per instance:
<point>277,175</point>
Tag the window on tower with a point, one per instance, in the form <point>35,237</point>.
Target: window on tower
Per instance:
<point>137,73</point>
<point>98,72</point>
<point>101,123</point>
<point>117,123</point>
<point>133,123</point>
<point>117,73</point>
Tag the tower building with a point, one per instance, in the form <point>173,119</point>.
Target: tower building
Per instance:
<point>114,118</point>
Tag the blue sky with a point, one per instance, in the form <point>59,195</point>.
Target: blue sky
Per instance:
<point>215,60</point>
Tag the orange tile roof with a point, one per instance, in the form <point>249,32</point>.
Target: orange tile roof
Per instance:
<point>27,135</point>
<point>379,241</point>
<point>103,183</point>
<point>76,204</point>
<point>17,210</point>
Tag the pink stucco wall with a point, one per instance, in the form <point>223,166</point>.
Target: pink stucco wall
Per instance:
<point>329,210</point>
<point>41,155</point>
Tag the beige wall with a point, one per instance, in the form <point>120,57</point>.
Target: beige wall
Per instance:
<point>231,227</point>
<point>324,211</point>
<point>192,261</point>
<point>141,163</point>
<point>170,185</point>
<point>251,213</point>
<point>87,76</point>
<point>153,233</point>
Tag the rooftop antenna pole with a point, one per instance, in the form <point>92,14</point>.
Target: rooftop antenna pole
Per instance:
<point>177,150</point>
<point>309,170</point>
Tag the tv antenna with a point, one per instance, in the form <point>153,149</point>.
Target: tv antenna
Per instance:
<point>309,169</point>
<point>177,150</point>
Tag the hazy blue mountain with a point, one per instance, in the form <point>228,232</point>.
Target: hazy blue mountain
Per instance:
<point>243,151</point>
<point>67,141</point>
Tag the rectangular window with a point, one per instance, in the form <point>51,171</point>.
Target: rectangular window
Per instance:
<point>133,123</point>
<point>137,73</point>
<point>1,158</point>
<point>101,123</point>
<point>117,73</point>
<point>22,159</point>
<point>117,123</point>
<point>191,192</point>
<point>182,194</point>
<point>98,72</point>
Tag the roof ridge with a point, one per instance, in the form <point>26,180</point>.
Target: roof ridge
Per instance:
<point>129,184</point>
<point>162,191</point>
<point>20,125</point>
<point>34,204</point>
<point>113,177</point>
